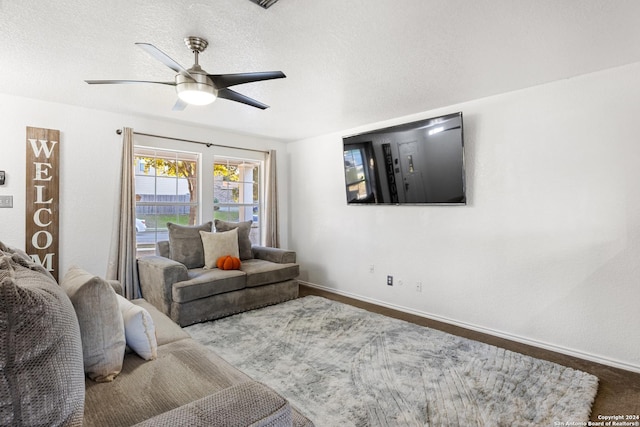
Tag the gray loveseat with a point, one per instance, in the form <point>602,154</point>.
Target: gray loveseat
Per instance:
<point>178,283</point>
<point>42,380</point>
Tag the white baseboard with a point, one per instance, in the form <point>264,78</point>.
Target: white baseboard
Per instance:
<point>489,331</point>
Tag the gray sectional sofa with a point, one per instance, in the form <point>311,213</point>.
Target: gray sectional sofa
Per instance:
<point>179,284</point>
<point>45,355</point>
<point>187,385</point>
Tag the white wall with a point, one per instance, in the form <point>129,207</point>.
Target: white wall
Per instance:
<point>90,152</point>
<point>547,251</point>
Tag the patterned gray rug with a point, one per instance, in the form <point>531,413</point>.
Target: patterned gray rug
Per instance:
<point>343,366</point>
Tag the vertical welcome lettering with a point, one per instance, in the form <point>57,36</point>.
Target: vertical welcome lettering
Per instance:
<point>42,197</point>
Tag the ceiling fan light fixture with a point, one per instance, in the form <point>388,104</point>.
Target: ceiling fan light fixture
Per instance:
<point>194,92</point>
<point>196,96</point>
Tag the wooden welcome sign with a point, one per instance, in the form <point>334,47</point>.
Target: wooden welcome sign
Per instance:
<point>43,195</point>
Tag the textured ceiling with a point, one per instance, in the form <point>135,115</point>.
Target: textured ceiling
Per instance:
<point>348,63</point>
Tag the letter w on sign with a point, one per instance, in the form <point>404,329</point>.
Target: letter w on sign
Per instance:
<point>42,197</point>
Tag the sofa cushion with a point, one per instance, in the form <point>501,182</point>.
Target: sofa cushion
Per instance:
<point>185,243</point>
<point>219,244</point>
<point>100,320</point>
<point>139,329</point>
<point>228,303</point>
<point>41,374</point>
<point>166,330</point>
<point>203,283</point>
<point>183,372</point>
<point>260,272</point>
<point>244,230</point>
<point>244,404</point>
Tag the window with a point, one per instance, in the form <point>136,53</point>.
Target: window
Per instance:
<point>166,191</point>
<point>357,173</point>
<point>236,192</point>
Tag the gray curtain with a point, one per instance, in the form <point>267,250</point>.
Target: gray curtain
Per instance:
<point>272,234</point>
<point>122,257</point>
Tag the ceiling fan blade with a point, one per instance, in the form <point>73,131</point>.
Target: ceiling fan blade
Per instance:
<point>120,82</point>
<point>222,81</point>
<point>238,97</point>
<point>180,105</point>
<point>164,58</point>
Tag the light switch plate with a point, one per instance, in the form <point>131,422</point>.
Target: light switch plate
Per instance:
<point>6,201</point>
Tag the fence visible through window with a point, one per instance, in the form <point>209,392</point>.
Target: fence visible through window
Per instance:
<point>236,192</point>
<point>166,191</point>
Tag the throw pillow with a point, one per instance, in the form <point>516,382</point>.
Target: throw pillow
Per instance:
<point>217,245</point>
<point>185,244</point>
<point>41,375</point>
<point>244,229</point>
<point>101,324</point>
<point>139,330</point>
<point>19,253</point>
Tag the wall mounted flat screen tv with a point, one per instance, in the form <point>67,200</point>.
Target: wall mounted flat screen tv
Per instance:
<point>419,163</point>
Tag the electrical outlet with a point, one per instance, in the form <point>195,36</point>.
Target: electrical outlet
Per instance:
<point>418,286</point>
<point>372,268</point>
<point>390,280</point>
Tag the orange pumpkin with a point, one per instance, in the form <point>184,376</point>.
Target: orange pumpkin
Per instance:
<point>228,262</point>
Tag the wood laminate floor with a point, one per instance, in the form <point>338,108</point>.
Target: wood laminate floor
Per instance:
<point>618,390</point>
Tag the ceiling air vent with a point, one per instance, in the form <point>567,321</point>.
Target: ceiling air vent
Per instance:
<point>265,3</point>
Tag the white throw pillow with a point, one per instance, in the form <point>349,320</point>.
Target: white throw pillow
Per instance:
<point>139,330</point>
<point>219,244</point>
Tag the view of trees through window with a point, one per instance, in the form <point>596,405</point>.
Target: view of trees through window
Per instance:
<point>236,192</point>
<point>166,185</point>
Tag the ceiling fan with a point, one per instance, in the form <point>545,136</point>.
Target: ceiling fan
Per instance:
<point>194,86</point>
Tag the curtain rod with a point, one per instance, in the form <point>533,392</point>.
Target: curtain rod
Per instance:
<point>208,144</point>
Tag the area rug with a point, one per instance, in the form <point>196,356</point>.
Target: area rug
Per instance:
<point>344,366</point>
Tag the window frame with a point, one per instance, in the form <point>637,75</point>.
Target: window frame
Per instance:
<point>193,205</point>
<point>256,205</point>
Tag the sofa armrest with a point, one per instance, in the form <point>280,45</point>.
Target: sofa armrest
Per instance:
<point>157,275</point>
<point>249,403</point>
<point>277,255</point>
